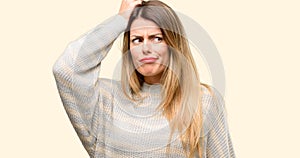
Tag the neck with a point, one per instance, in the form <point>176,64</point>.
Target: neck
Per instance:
<point>152,79</point>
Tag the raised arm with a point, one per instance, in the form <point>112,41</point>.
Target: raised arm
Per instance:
<point>76,73</point>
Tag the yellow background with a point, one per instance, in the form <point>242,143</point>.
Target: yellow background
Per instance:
<point>258,41</point>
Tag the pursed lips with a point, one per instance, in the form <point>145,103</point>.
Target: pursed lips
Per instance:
<point>148,60</point>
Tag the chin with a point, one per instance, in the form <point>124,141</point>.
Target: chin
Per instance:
<point>150,70</point>
<point>148,73</point>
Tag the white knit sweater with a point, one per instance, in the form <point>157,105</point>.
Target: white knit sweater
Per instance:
<point>110,125</point>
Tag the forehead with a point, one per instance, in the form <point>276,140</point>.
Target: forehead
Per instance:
<point>141,25</point>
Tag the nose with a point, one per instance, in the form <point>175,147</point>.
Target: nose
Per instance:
<point>146,47</point>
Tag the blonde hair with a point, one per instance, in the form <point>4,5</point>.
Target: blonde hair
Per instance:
<point>181,86</point>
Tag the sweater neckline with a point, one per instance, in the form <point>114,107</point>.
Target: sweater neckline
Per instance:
<point>151,88</point>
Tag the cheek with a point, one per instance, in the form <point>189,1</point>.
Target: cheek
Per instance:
<point>134,51</point>
<point>163,52</point>
<point>135,54</point>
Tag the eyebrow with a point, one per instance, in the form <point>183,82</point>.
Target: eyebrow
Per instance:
<point>149,35</point>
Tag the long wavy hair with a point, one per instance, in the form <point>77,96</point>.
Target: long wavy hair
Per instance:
<point>181,86</point>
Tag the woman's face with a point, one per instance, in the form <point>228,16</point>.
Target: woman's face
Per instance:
<point>148,49</point>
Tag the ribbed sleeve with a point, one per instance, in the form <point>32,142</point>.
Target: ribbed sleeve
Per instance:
<point>76,73</point>
<point>218,140</point>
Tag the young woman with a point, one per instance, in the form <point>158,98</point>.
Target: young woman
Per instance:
<point>159,108</point>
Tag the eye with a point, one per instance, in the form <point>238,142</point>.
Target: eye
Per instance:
<point>157,39</point>
<point>136,40</point>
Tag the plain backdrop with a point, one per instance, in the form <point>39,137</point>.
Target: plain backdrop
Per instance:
<point>258,42</point>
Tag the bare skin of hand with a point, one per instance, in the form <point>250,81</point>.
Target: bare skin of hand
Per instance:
<point>127,6</point>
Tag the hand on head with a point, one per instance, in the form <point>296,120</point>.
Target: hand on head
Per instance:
<point>127,6</point>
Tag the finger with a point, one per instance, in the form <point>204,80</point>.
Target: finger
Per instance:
<point>136,2</point>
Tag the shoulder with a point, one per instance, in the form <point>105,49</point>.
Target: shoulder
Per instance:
<point>210,93</point>
<point>212,100</point>
<point>108,85</point>
<point>108,82</point>
<point>213,107</point>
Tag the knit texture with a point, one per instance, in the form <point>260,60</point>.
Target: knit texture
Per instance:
<point>108,123</point>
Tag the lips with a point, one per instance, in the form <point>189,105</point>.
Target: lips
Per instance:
<point>148,60</point>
